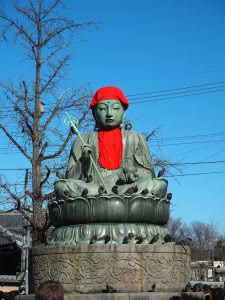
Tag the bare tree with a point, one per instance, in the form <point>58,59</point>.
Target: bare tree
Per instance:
<point>179,230</point>
<point>200,236</point>
<point>34,106</point>
<point>204,238</point>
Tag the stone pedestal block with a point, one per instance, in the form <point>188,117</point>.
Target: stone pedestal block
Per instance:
<point>127,268</point>
<point>128,296</point>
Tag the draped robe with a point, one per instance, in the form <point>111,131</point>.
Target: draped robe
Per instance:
<point>135,154</point>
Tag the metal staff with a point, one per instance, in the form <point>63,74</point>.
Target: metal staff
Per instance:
<point>72,121</point>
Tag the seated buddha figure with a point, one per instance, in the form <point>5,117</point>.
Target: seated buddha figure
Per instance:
<point>110,160</point>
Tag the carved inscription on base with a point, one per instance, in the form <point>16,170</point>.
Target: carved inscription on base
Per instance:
<point>128,268</point>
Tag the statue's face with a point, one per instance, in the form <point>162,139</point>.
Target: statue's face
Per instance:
<point>109,114</point>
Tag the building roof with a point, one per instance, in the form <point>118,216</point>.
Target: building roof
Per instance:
<point>11,220</point>
<point>11,228</point>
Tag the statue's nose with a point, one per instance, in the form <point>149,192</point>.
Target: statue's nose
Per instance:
<point>109,112</point>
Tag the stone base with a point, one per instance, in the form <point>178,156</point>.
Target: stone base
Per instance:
<point>127,268</point>
<point>126,296</point>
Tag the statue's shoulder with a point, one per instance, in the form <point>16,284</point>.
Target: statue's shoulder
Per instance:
<point>132,134</point>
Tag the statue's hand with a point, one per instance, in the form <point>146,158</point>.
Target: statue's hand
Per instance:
<point>130,174</point>
<point>86,150</point>
<point>72,128</point>
<point>132,177</point>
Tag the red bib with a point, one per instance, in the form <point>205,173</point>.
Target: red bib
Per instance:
<point>110,147</point>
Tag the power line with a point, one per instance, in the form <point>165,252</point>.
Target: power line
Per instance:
<point>189,143</point>
<point>195,174</point>
<point>201,148</point>
<point>180,163</point>
<point>192,88</point>
<point>177,93</point>
<point>175,175</point>
<point>191,136</point>
<point>19,169</point>
<point>152,140</point>
<point>161,93</point>
<point>177,89</point>
<point>181,96</point>
<point>15,151</point>
<point>202,162</point>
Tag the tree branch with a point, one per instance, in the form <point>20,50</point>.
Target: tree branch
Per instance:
<point>51,7</point>
<point>61,148</point>
<point>58,68</point>
<point>151,134</point>
<point>56,108</point>
<point>19,29</point>
<point>59,30</point>
<point>9,88</point>
<point>48,196</point>
<point>43,149</point>
<point>29,112</point>
<point>18,201</point>
<point>12,195</point>
<point>15,143</point>
<point>27,217</point>
<point>54,52</point>
<point>46,177</point>
<point>24,12</point>
<point>31,195</point>
<point>22,113</point>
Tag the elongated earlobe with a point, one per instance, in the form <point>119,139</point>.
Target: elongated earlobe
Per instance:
<point>122,123</point>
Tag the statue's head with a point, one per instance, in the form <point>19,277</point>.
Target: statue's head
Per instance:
<point>108,106</point>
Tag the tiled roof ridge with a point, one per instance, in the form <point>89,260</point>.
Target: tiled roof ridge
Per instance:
<point>18,239</point>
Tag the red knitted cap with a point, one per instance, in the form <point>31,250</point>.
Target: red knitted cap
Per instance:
<point>109,92</point>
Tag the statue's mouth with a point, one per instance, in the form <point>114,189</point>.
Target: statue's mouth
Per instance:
<point>109,120</point>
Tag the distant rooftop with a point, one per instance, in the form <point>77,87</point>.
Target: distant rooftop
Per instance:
<point>11,227</point>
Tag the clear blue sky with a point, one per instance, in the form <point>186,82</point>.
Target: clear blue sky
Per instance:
<point>150,46</point>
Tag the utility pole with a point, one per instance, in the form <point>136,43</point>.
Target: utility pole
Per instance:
<point>25,188</point>
<point>25,255</point>
<point>27,250</point>
<point>27,238</point>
